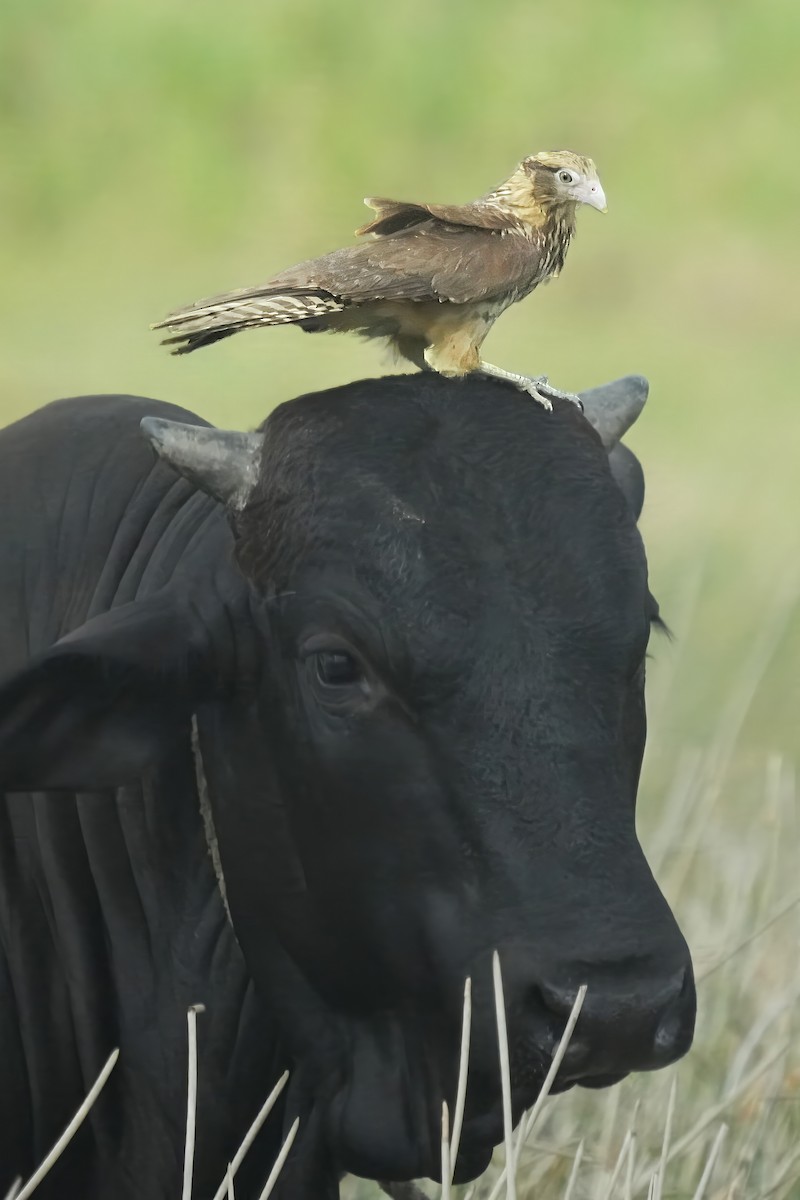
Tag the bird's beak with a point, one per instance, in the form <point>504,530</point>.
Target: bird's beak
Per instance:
<point>591,192</point>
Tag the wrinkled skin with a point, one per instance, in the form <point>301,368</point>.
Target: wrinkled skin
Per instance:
<point>417,666</point>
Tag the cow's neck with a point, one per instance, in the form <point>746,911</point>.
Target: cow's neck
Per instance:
<point>208,818</point>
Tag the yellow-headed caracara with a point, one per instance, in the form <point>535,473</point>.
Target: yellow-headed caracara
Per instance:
<point>431,278</point>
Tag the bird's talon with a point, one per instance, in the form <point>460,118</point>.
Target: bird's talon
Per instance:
<point>532,388</point>
<point>545,388</point>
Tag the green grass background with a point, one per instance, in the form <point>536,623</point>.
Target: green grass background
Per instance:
<point>155,151</point>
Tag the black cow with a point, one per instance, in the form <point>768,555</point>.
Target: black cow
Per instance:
<point>401,670</point>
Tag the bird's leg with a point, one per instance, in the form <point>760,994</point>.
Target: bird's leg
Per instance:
<point>523,382</point>
<point>459,355</point>
<point>537,388</point>
<point>412,349</point>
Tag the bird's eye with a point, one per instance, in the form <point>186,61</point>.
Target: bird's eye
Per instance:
<point>566,177</point>
<point>337,668</point>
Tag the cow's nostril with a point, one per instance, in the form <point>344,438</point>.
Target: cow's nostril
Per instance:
<point>576,1056</point>
<point>554,1006</point>
<point>676,1027</point>
<point>636,1023</point>
<point>557,1000</point>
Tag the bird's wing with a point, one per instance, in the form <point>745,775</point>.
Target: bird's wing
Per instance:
<point>396,215</point>
<point>429,261</point>
<point>432,260</point>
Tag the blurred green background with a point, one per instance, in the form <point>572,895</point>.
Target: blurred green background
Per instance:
<point>155,151</point>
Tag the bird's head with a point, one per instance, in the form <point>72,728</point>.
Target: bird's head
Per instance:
<point>560,179</point>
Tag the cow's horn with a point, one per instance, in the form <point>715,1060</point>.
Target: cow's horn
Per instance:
<point>613,407</point>
<point>222,462</point>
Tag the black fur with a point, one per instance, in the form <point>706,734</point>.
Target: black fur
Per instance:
<point>470,786</point>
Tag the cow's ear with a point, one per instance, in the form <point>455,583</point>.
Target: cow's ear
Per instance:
<point>628,473</point>
<point>98,708</point>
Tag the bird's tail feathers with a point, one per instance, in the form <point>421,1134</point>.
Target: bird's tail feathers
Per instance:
<point>211,320</point>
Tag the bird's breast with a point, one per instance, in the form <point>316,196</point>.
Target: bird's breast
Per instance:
<point>431,321</point>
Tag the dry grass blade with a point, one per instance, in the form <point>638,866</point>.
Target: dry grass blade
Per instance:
<point>662,1166</point>
<point>250,1136</point>
<point>785,1169</point>
<point>705,1178</point>
<point>630,1168</point>
<point>769,1016</point>
<point>405,1191</point>
<point>532,1116</point>
<point>505,1076</point>
<point>70,1131</point>
<point>751,937</point>
<point>191,1102</point>
<point>446,1170</point>
<point>229,1183</point>
<point>283,1154</point>
<point>463,1070</point>
<point>529,1120</point>
<point>12,1192</point>
<point>572,1182</point>
<point>622,1158</point>
<point>712,1113</point>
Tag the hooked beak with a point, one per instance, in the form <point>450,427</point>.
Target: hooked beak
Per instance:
<point>591,192</point>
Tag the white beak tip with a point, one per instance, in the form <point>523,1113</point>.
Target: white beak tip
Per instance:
<point>593,195</point>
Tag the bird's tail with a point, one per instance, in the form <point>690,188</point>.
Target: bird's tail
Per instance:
<point>211,320</point>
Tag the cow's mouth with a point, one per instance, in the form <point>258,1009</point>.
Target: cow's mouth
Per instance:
<point>377,1079</point>
<point>386,1124</point>
<point>483,1132</point>
<point>599,1081</point>
<point>394,1132</point>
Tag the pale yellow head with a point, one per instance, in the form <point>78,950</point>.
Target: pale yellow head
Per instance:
<point>561,177</point>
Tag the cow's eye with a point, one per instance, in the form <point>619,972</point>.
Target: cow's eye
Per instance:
<point>337,676</point>
<point>337,668</point>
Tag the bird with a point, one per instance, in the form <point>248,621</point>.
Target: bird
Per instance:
<point>430,279</point>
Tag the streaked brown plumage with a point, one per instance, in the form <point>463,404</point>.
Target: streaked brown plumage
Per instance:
<point>432,279</point>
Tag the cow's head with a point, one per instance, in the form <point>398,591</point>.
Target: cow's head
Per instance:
<point>437,751</point>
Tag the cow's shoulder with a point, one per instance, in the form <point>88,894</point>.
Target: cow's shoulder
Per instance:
<point>79,433</point>
<point>88,516</point>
